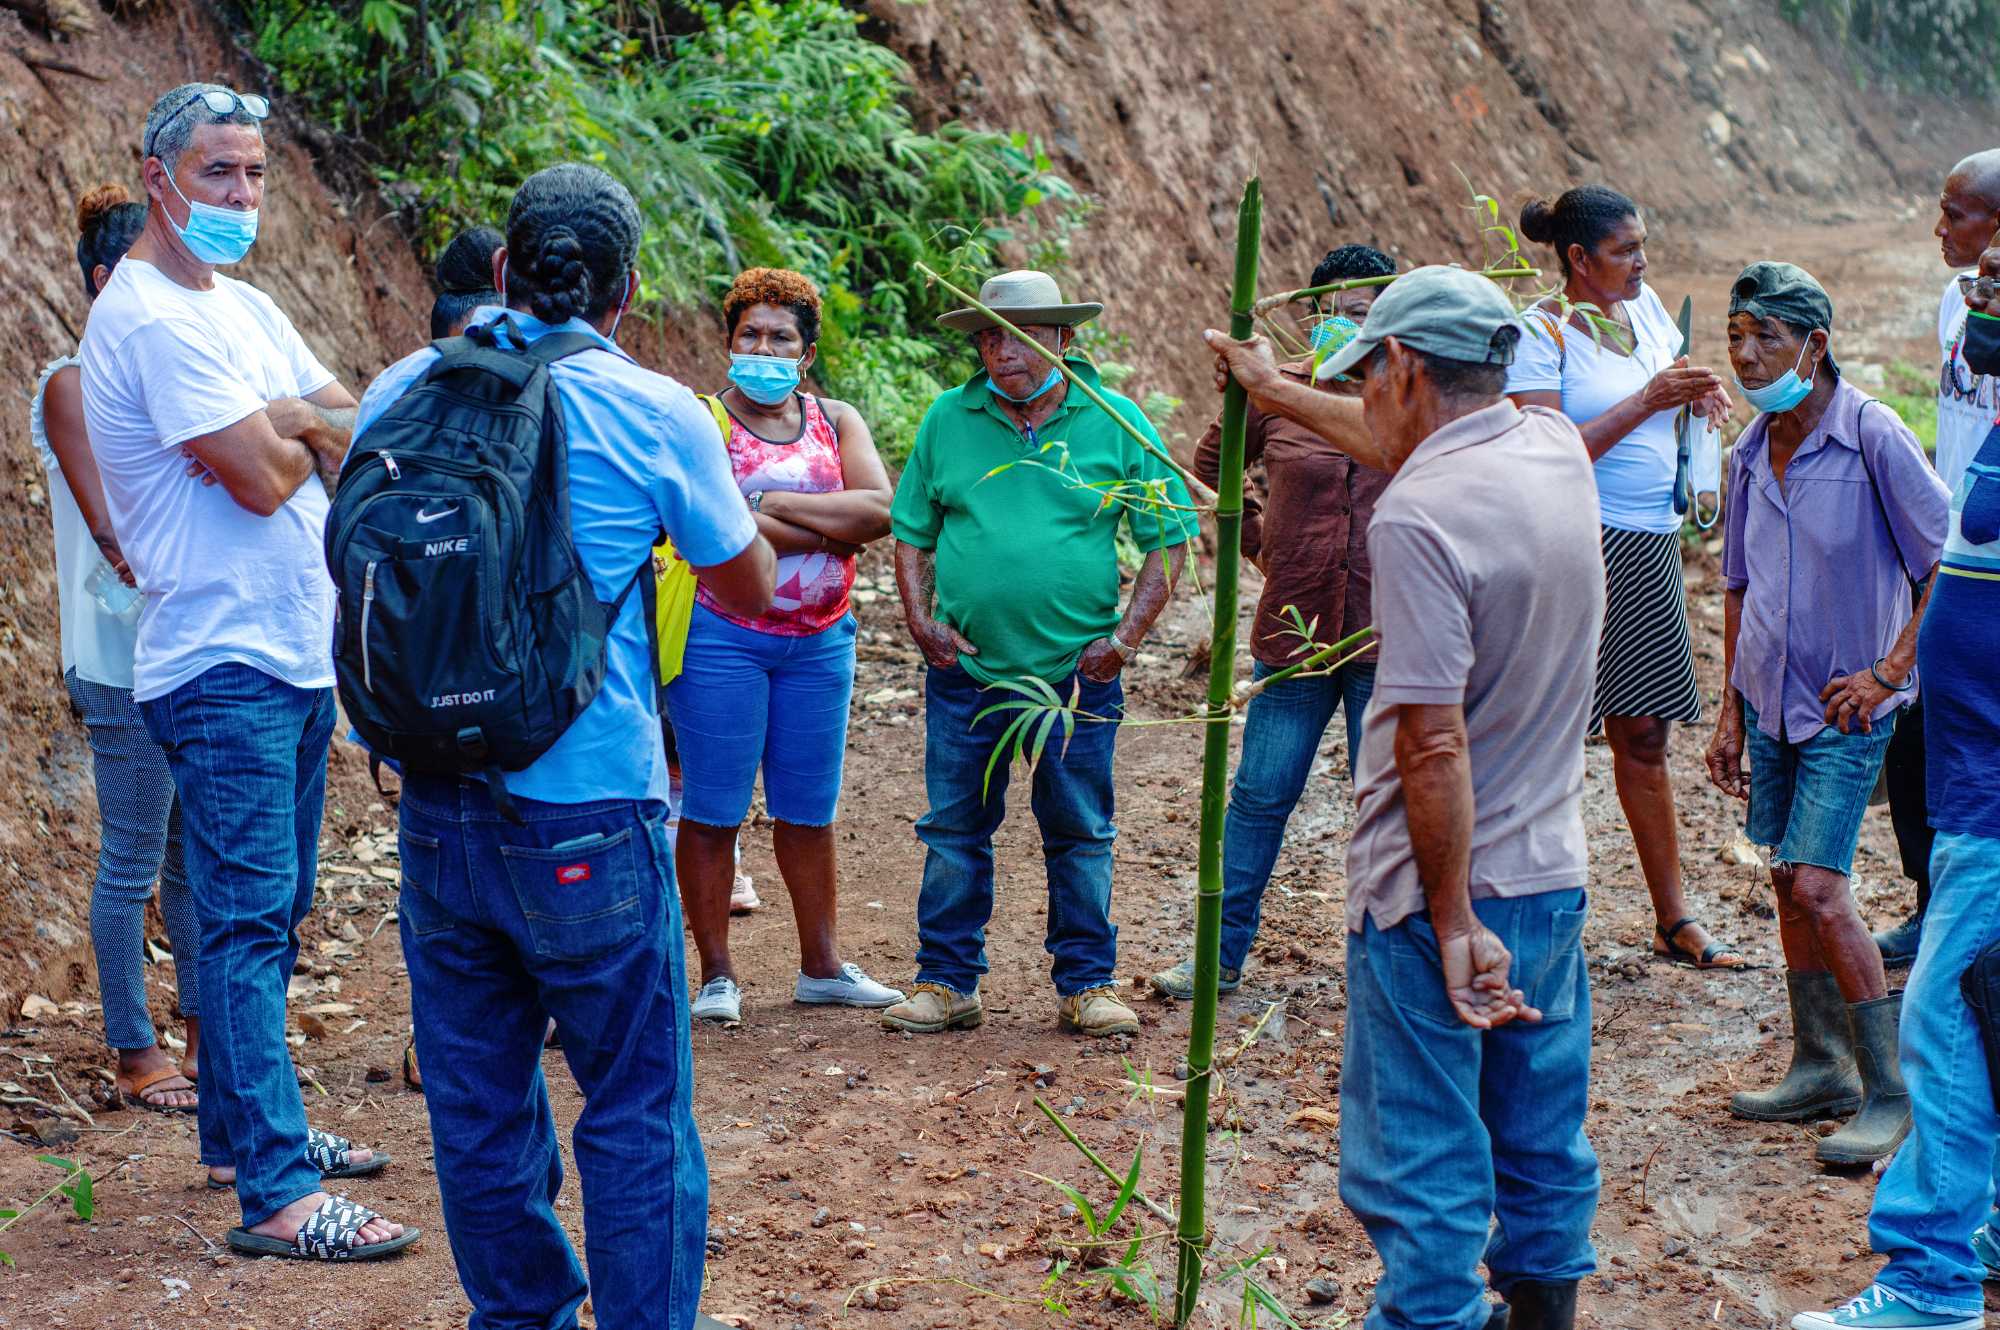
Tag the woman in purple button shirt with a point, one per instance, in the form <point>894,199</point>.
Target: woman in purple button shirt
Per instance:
<point>1832,513</point>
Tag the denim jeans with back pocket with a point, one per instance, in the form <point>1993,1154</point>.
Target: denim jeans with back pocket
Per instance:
<point>572,916</point>
<point>1460,1145</point>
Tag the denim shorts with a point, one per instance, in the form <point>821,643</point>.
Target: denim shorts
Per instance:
<point>745,699</point>
<point>1807,799</point>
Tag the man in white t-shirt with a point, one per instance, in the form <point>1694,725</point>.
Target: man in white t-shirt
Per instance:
<point>1970,214</point>
<point>210,419</point>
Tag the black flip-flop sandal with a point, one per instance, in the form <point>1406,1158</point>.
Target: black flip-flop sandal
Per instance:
<point>1678,954</point>
<point>328,1153</point>
<point>327,1235</point>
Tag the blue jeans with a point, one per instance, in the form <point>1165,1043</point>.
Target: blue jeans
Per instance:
<point>1444,1128</point>
<point>1940,1186</point>
<point>734,682</point>
<point>1280,739</point>
<point>1807,799</point>
<point>573,916</point>
<point>1072,802</point>
<point>248,756</point>
<point>138,843</point>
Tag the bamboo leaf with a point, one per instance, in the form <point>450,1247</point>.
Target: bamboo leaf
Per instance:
<point>1125,1192</point>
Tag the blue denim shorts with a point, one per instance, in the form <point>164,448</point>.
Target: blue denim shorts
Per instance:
<point>746,699</point>
<point>1807,799</point>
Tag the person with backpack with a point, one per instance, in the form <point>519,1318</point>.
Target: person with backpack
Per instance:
<point>139,822</point>
<point>1826,489</point>
<point>209,418</point>
<point>492,540</point>
<point>773,690</point>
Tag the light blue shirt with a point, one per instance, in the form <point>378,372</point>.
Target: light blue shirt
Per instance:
<point>644,456</point>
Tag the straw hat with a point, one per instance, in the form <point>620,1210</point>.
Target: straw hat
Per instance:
<point>1022,298</point>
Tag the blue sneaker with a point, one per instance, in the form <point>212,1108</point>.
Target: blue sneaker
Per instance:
<point>1880,1309</point>
<point>1986,1246</point>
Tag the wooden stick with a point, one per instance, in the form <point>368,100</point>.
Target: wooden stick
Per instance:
<point>60,67</point>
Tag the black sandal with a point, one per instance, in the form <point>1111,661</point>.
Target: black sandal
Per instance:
<point>327,1235</point>
<point>1678,954</point>
<point>328,1153</point>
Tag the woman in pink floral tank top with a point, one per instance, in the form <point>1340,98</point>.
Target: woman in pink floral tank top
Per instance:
<point>773,692</point>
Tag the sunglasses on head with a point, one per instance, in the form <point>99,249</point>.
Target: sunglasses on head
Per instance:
<point>220,101</point>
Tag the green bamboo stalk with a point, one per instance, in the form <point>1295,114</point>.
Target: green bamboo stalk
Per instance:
<point>1215,777</point>
<point>1269,303</point>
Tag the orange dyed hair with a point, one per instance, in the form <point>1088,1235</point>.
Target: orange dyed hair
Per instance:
<point>774,286</point>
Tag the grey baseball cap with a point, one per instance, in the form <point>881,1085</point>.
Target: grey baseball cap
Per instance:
<point>1447,312</point>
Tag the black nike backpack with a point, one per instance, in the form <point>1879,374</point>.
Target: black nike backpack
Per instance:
<point>468,636</point>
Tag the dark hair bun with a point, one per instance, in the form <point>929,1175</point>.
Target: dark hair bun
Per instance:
<point>466,266</point>
<point>1536,224</point>
<point>562,280</point>
<point>93,207</point>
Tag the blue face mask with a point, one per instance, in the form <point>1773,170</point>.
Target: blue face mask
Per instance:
<point>1329,335</point>
<point>1784,392</point>
<point>214,235</point>
<point>765,380</point>
<point>1048,383</point>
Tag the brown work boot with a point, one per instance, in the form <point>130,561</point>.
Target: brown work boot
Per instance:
<point>932,1008</point>
<point>1096,1011</point>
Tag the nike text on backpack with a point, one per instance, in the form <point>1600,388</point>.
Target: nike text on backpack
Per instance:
<point>469,636</point>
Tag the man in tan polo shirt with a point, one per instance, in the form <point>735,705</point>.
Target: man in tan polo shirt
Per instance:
<point>1466,1072</point>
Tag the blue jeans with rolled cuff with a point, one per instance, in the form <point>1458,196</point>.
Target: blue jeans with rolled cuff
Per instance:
<point>1281,736</point>
<point>248,756</point>
<point>572,916</point>
<point>1460,1145</point>
<point>1073,805</point>
<point>1939,1187</point>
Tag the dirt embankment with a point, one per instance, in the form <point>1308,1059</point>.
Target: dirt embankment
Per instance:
<point>1711,115</point>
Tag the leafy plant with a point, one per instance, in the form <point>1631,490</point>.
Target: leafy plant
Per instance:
<point>75,1184</point>
<point>765,132</point>
<point>1944,45</point>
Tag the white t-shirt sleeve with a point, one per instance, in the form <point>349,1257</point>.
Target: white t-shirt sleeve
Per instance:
<point>312,375</point>
<point>185,379</point>
<point>695,489</point>
<point>1538,357</point>
<point>1423,609</point>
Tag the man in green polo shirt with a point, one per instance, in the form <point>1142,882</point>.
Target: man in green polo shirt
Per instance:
<point>1008,568</point>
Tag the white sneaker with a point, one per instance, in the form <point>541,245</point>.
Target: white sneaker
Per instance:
<point>719,1000</point>
<point>852,988</point>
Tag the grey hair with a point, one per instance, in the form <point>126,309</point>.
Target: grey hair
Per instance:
<point>1457,381</point>
<point>170,125</point>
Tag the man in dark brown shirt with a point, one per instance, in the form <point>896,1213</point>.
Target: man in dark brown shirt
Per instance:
<point>1309,536</point>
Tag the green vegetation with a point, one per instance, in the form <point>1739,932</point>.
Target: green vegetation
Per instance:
<point>1911,392</point>
<point>1944,45</point>
<point>761,132</point>
<point>74,1186</point>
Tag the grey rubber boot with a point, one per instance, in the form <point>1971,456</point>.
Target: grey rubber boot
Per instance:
<point>1884,1119</point>
<point>1822,1081</point>
<point>1538,1304</point>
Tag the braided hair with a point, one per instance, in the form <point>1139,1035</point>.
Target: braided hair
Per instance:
<point>572,234</point>
<point>465,271</point>
<point>1580,216</point>
<point>107,223</point>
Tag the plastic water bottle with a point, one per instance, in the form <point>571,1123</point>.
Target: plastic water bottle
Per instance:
<point>113,596</point>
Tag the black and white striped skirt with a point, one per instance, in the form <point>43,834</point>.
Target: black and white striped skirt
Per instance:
<point>1645,666</point>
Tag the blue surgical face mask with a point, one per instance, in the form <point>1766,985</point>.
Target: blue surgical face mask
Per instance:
<point>214,235</point>
<point>1048,383</point>
<point>1329,335</point>
<point>765,380</point>
<point>1784,392</point>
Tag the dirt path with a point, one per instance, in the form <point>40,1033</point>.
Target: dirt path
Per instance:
<point>841,1155</point>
